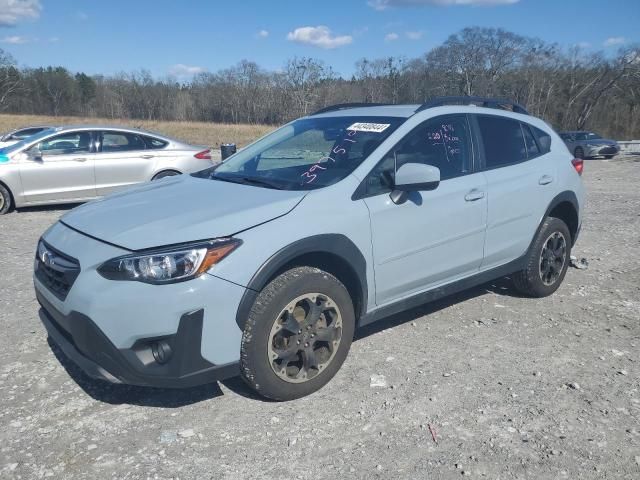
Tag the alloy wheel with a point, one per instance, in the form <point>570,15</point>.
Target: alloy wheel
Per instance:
<point>553,258</point>
<point>305,337</point>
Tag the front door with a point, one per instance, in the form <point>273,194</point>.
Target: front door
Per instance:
<point>435,236</point>
<point>63,171</point>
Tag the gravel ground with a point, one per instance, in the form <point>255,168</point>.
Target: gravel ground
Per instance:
<point>511,387</point>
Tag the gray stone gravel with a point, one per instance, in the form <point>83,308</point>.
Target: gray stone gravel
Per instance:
<point>489,375</point>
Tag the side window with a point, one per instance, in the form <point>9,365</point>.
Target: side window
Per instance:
<point>580,137</point>
<point>66,144</point>
<point>543,138</point>
<point>443,142</point>
<point>154,143</point>
<point>532,146</point>
<point>503,141</point>
<point>121,142</point>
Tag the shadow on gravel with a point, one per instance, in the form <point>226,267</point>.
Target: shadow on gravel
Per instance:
<point>502,286</point>
<point>47,208</point>
<point>116,394</point>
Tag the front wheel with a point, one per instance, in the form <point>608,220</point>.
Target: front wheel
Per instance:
<point>297,335</point>
<point>5,200</point>
<point>547,260</point>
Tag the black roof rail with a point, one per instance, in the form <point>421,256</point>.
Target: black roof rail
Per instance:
<point>499,103</point>
<point>344,106</point>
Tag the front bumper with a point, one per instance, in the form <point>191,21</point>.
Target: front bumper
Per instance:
<point>109,327</point>
<point>85,344</point>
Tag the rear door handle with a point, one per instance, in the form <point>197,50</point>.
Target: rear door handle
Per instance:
<point>474,195</point>
<point>80,159</point>
<point>545,180</point>
<point>147,155</point>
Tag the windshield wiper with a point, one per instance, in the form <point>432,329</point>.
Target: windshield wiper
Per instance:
<point>247,181</point>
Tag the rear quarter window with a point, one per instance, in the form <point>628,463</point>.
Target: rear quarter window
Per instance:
<point>154,143</point>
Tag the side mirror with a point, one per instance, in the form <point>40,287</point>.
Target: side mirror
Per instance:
<point>412,177</point>
<point>34,153</point>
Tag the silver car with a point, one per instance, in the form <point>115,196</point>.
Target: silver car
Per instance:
<point>588,145</point>
<point>14,136</point>
<point>79,163</point>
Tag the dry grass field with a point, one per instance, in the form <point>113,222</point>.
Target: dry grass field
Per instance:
<point>198,133</point>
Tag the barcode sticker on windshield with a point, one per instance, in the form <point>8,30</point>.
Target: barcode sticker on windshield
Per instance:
<point>369,127</point>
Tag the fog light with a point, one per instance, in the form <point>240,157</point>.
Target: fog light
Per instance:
<point>161,351</point>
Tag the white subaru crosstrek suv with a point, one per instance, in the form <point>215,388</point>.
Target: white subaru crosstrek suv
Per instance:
<point>264,265</point>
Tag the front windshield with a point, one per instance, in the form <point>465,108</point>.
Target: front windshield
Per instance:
<point>306,154</point>
<point>26,141</point>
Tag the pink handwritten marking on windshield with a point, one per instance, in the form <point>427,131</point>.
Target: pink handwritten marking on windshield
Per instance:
<point>337,150</point>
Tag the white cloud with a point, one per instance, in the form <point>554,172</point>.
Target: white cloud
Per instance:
<point>613,41</point>
<point>414,35</point>
<point>14,11</point>
<point>384,4</point>
<point>15,40</point>
<point>262,34</point>
<point>391,37</point>
<point>320,36</point>
<point>182,70</point>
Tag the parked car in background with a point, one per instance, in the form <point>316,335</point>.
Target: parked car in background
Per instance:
<point>15,136</point>
<point>79,163</point>
<point>588,144</point>
<point>265,264</point>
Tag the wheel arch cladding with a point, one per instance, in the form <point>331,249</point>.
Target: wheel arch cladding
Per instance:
<point>333,253</point>
<point>565,207</point>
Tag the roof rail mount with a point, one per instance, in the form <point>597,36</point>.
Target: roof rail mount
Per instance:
<point>499,103</point>
<point>344,106</point>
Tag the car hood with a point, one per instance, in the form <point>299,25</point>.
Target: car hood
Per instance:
<point>179,209</point>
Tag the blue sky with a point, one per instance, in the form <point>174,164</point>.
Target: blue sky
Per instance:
<point>165,36</point>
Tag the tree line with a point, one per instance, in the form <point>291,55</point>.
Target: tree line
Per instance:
<point>569,87</point>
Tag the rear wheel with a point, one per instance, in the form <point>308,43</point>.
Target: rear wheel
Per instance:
<point>297,335</point>
<point>165,173</point>
<point>578,152</point>
<point>6,203</point>
<point>547,260</point>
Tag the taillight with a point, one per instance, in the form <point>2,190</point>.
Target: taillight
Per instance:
<point>578,164</point>
<point>204,155</point>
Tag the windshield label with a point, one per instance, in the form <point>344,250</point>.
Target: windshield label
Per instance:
<point>369,127</point>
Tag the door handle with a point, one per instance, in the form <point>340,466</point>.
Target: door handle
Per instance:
<point>147,155</point>
<point>80,159</point>
<point>545,180</point>
<point>474,195</point>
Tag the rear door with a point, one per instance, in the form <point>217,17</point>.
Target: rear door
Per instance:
<point>521,182</point>
<point>63,172</point>
<point>122,160</point>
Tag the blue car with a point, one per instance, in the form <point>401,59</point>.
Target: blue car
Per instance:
<point>264,265</point>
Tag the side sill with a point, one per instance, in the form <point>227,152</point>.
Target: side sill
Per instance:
<point>444,291</point>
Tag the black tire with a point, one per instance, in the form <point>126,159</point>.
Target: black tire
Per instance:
<point>165,173</point>
<point>578,153</point>
<point>258,360</point>
<point>6,201</point>
<point>543,276</point>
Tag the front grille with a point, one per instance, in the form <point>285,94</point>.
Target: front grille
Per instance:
<point>55,270</point>
<point>608,150</point>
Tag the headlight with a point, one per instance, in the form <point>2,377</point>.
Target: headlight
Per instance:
<point>169,265</point>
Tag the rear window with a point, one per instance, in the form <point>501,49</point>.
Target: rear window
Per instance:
<point>503,141</point>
